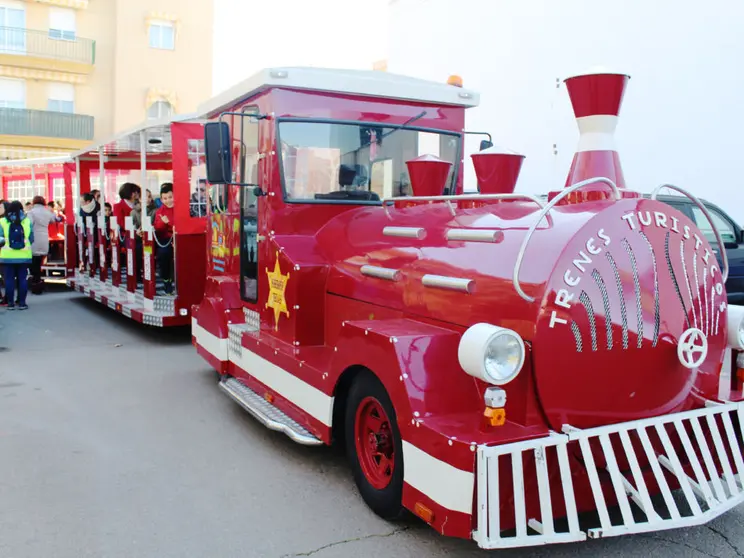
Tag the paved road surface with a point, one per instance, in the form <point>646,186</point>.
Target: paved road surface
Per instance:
<point>116,443</point>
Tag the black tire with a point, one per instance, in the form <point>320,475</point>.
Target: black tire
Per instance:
<point>385,502</point>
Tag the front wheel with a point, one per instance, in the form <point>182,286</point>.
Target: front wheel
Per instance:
<point>374,446</point>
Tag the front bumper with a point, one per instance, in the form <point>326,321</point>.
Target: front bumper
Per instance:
<point>708,468</point>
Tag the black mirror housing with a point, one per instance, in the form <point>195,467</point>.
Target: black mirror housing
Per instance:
<point>485,144</point>
<point>217,147</point>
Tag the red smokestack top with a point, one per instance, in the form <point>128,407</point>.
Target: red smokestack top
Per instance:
<point>497,170</point>
<point>596,97</point>
<point>428,175</point>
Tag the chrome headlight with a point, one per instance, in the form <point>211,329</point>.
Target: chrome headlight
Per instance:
<point>735,326</point>
<point>491,353</point>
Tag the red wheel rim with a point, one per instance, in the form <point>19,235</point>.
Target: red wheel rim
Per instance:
<point>375,446</point>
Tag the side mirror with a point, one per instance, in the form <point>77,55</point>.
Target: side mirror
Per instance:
<point>485,144</point>
<point>217,147</point>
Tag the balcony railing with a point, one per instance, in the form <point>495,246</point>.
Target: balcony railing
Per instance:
<point>47,44</point>
<point>44,123</point>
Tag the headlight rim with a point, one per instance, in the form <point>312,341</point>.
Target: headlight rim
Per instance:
<point>473,349</point>
<point>517,369</point>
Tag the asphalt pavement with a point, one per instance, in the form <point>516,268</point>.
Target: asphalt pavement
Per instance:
<point>116,443</point>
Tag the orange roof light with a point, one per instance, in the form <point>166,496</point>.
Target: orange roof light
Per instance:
<point>454,80</point>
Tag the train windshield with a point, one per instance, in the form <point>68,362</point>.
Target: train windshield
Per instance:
<point>358,162</point>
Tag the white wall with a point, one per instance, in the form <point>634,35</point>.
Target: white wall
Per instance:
<point>250,36</point>
<point>683,116</point>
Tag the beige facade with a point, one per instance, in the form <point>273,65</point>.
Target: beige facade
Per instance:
<point>76,71</point>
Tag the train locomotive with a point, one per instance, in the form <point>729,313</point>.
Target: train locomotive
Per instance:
<point>496,363</point>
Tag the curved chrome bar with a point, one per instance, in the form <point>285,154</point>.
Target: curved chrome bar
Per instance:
<point>543,213</point>
<point>450,199</point>
<point>701,206</point>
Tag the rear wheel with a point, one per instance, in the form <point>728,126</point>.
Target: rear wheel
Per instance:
<point>374,447</point>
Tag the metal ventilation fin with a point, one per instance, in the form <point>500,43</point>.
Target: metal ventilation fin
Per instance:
<point>577,336</point>
<point>674,279</point>
<point>606,304</point>
<point>621,298</point>
<point>584,298</point>
<point>636,288</point>
<point>657,314</point>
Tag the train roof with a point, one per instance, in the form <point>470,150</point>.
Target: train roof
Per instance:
<point>368,83</point>
<point>39,161</point>
<point>128,141</point>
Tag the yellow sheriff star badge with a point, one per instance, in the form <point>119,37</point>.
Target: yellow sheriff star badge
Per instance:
<point>277,286</point>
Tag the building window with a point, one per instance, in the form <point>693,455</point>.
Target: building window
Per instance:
<point>160,110</point>
<point>62,24</point>
<point>162,35</point>
<point>12,27</point>
<point>61,97</point>
<point>12,93</point>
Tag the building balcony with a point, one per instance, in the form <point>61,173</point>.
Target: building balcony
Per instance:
<point>42,128</point>
<point>46,50</point>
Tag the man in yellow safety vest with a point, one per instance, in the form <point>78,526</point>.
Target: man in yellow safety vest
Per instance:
<point>16,237</point>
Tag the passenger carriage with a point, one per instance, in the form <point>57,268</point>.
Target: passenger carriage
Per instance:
<point>114,271</point>
<point>22,180</point>
<point>493,362</point>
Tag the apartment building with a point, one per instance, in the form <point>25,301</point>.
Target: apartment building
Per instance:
<point>76,71</point>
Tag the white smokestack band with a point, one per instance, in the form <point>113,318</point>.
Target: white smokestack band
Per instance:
<point>597,133</point>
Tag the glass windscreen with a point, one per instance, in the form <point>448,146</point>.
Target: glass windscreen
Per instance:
<point>724,227</point>
<point>356,162</point>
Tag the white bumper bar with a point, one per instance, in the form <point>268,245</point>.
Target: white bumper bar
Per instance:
<point>707,493</point>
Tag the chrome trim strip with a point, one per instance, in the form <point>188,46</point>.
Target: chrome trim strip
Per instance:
<point>380,272</point>
<point>405,232</point>
<point>475,235</point>
<point>452,283</point>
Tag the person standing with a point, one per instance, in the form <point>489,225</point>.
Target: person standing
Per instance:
<point>41,217</point>
<point>16,239</point>
<point>164,237</point>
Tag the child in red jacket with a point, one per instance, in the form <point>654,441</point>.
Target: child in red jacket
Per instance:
<point>164,234</point>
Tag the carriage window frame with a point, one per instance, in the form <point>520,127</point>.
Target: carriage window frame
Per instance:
<point>449,190</point>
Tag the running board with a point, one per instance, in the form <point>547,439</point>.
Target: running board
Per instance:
<point>266,413</point>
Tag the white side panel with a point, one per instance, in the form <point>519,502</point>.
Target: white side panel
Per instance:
<point>214,345</point>
<point>448,486</point>
<point>306,397</point>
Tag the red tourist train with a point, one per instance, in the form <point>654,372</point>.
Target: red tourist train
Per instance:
<point>493,362</point>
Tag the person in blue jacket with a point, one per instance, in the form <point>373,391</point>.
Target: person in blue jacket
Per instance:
<point>16,237</point>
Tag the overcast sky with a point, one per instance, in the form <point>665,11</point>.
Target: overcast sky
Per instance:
<point>251,35</point>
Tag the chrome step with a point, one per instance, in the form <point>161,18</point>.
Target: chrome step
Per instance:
<point>268,415</point>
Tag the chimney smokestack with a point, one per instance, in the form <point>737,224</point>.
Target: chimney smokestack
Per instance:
<point>428,175</point>
<point>497,170</point>
<point>596,97</point>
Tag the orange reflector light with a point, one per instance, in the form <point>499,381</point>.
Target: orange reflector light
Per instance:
<point>423,512</point>
<point>269,397</point>
<point>740,374</point>
<point>454,80</point>
<point>496,417</point>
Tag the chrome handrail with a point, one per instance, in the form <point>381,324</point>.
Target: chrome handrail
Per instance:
<point>543,213</point>
<point>449,199</point>
<point>701,206</point>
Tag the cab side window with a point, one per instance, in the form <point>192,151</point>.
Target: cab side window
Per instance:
<point>724,226</point>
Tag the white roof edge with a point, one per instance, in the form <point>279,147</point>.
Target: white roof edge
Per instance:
<point>37,161</point>
<point>368,83</point>
<point>142,126</point>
